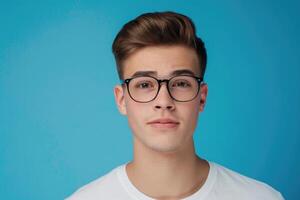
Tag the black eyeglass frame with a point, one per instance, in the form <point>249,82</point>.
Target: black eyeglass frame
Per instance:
<point>159,81</point>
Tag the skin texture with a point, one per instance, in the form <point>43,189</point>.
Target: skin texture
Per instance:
<point>165,165</point>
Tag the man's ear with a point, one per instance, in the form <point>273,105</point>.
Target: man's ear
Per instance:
<point>119,98</point>
<point>203,94</point>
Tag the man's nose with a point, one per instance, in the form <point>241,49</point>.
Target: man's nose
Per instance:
<point>163,99</point>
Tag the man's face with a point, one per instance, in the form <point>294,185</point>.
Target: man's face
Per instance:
<point>162,136</point>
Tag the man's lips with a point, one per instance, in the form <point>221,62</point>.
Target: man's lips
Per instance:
<point>164,123</point>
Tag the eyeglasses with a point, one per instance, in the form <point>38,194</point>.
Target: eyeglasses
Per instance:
<point>144,89</point>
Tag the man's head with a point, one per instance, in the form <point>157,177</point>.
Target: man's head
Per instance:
<point>154,47</point>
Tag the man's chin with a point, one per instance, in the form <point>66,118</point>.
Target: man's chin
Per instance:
<point>164,143</point>
<point>164,148</point>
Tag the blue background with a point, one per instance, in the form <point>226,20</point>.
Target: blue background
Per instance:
<point>59,125</point>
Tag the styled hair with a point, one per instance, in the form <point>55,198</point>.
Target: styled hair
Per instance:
<point>157,28</point>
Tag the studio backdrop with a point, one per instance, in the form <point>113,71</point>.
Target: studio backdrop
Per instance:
<point>60,127</point>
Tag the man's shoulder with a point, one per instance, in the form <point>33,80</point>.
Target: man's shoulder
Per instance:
<point>97,188</point>
<point>244,186</point>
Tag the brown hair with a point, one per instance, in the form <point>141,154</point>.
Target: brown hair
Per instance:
<point>157,28</point>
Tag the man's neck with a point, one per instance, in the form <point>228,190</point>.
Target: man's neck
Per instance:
<point>168,175</point>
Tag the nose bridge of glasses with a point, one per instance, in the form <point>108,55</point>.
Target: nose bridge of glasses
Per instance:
<point>160,83</point>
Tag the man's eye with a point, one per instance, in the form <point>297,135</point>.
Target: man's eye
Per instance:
<point>144,85</point>
<point>182,84</point>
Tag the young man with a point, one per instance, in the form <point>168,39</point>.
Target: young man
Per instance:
<point>162,63</point>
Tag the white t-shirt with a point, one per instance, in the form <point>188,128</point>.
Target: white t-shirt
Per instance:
<point>221,184</point>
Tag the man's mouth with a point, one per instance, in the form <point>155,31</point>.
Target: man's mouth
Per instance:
<point>164,123</point>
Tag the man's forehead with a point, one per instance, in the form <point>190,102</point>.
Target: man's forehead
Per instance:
<point>162,60</point>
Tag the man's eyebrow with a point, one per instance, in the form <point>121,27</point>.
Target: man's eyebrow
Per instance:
<point>144,73</point>
<point>154,73</point>
<point>182,71</point>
